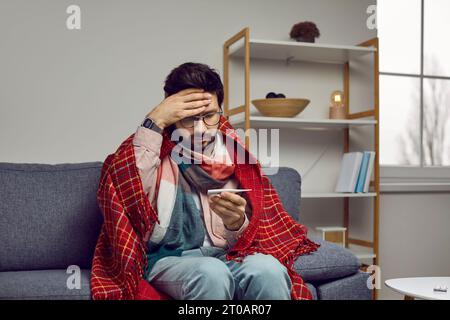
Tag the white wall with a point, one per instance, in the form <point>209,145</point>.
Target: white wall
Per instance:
<point>414,237</point>
<point>73,96</point>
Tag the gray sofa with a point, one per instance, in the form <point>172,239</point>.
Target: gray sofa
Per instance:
<point>50,220</point>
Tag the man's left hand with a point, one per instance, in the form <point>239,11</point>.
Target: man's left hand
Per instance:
<point>231,208</point>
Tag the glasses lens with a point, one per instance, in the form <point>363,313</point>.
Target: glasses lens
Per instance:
<point>212,119</point>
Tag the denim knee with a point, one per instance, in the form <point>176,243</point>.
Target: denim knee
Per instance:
<point>264,277</point>
<point>211,279</point>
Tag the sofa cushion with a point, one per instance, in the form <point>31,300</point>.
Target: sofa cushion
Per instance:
<point>353,287</point>
<point>49,217</point>
<point>43,284</point>
<point>287,183</point>
<point>330,261</point>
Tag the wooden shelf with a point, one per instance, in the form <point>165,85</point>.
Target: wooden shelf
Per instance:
<point>312,195</point>
<point>328,229</point>
<point>361,252</point>
<point>301,123</point>
<point>300,51</point>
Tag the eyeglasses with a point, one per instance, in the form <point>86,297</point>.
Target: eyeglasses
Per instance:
<point>210,119</point>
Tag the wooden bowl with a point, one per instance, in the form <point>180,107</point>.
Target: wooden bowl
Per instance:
<point>280,107</point>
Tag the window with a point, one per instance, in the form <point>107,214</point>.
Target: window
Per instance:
<point>414,84</point>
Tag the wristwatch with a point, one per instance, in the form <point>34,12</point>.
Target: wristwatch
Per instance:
<point>150,124</point>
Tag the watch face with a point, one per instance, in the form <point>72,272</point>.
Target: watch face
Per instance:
<point>148,123</point>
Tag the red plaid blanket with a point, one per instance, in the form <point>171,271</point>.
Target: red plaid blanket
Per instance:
<point>120,254</point>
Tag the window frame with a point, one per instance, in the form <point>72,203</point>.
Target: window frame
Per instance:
<point>409,178</point>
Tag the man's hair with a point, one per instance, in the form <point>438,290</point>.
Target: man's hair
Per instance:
<point>194,75</point>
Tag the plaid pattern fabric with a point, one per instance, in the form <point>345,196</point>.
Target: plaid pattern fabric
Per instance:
<point>120,254</point>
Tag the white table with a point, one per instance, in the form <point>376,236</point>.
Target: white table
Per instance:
<point>421,288</point>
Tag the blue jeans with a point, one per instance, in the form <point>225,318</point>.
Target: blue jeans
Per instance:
<point>204,273</point>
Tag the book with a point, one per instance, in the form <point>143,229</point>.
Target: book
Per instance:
<point>369,171</point>
<point>348,176</point>
<point>362,172</point>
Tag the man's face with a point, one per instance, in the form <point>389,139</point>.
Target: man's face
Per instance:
<point>201,132</point>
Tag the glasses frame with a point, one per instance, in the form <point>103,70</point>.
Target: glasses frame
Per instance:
<point>197,118</point>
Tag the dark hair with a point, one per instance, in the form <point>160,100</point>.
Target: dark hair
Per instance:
<point>194,75</point>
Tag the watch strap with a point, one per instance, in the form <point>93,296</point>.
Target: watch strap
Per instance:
<point>150,124</point>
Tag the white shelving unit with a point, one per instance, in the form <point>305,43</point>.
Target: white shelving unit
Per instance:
<point>312,195</point>
<point>301,123</point>
<point>292,51</point>
<point>362,253</point>
<point>300,51</point>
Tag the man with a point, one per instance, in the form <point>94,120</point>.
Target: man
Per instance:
<point>189,247</point>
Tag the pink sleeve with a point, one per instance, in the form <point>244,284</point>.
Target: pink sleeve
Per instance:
<point>147,146</point>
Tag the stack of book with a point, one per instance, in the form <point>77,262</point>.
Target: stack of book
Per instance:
<point>356,171</point>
